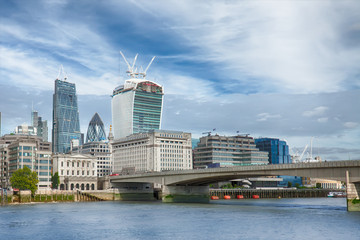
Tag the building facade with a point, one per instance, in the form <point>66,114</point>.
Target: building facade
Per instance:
<point>136,107</point>
<point>76,171</point>
<point>18,151</point>
<point>222,151</point>
<point>155,150</point>
<point>40,125</point>
<point>102,152</point>
<point>278,149</point>
<point>66,126</point>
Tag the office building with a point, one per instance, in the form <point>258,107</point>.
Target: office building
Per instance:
<point>155,150</point>
<point>223,151</point>
<point>102,152</point>
<point>278,154</point>
<point>66,125</point>
<point>21,150</point>
<point>76,171</point>
<point>96,130</point>
<point>136,105</point>
<point>25,129</point>
<point>278,149</point>
<point>40,125</point>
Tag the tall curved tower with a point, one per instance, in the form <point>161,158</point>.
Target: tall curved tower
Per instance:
<point>136,105</point>
<point>96,130</point>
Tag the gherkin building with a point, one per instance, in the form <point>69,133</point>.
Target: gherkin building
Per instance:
<point>96,130</point>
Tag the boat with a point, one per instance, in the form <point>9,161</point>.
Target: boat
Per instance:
<point>336,194</point>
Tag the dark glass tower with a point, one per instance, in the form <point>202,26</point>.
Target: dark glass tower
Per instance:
<point>96,131</point>
<point>66,125</point>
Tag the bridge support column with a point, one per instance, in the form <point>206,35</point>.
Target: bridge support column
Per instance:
<point>185,194</point>
<point>135,191</point>
<point>352,195</point>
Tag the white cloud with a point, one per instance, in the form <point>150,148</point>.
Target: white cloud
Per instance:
<point>351,124</point>
<point>318,111</point>
<point>266,116</point>
<point>322,120</point>
<point>291,46</point>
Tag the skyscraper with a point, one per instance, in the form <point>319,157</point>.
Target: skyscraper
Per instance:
<point>136,105</point>
<point>41,126</point>
<point>66,125</point>
<point>96,131</point>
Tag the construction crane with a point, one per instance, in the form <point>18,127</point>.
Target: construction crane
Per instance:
<point>133,71</point>
<point>61,71</point>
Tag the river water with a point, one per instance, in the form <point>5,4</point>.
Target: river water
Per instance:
<point>310,218</point>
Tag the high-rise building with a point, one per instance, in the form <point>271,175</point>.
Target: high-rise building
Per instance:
<point>41,126</point>
<point>278,149</point>
<point>66,126</point>
<point>0,124</point>
<point>136,105</point>
<point>96,130</point>
<point>222,151</point>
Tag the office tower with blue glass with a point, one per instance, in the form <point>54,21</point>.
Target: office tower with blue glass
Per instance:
<point>96,130</point>
<point>278,149</point>
<point>66,125</point>
<point>136,105</point>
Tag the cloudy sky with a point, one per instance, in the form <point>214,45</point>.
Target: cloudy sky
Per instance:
<point>280,69</point>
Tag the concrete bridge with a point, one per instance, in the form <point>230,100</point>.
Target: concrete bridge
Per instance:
<point>193,185</point>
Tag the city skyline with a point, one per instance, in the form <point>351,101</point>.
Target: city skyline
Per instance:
<point>283,70</point>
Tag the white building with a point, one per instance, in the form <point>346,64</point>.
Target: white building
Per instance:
<point>76,171</point>
<point>156,150</point>
<point>102,152</point>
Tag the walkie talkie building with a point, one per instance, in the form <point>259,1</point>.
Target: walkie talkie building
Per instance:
<point>66,125</point>
<point>136,105</point>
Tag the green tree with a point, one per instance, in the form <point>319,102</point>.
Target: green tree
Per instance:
<point>24,179</point>
<point>297,185</point>
<point>55,180</point>
<point>289,184</point>
<point>318,185</point>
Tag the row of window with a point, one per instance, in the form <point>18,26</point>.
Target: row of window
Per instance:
<point>88,173</point>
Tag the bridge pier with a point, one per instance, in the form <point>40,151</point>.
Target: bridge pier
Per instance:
<point>352,195</point>
<point>185,194</point>
<point>135,191</point>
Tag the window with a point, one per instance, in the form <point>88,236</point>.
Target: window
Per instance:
<point>62,163</point>
<point>73,164</point>
<point>68,164</point>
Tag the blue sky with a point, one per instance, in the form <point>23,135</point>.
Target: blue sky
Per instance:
<point>280,69</point>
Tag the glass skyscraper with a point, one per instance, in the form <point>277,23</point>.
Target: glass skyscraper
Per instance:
<point>96,131</point>
<point>278,149</point>
<point>136,107</point>
<point>66,125</point>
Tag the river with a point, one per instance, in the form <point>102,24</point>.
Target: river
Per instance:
<point>306,218</point>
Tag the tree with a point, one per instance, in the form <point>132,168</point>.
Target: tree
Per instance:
<point>289,184</point>
<point>55,180</point>
<point>318,185</point>
<point>25,179</point>
<point>297,185</point>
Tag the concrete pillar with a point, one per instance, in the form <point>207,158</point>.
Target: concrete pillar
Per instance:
<point>185,194</point>
<point>135,191</point>
<point>352,195</point>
